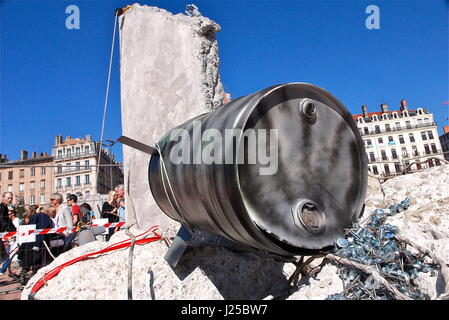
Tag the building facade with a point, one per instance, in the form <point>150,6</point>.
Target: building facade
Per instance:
<point>395,139</point>
<point>444,140</point>
<point>76,168</point>
<point>29,179</point>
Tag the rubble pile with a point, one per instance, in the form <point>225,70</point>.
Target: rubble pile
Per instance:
<point>209,270</point>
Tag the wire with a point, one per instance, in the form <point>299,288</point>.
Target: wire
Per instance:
<point>107,93</point>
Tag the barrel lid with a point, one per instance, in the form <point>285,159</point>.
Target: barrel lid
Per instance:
<point>309,180</point>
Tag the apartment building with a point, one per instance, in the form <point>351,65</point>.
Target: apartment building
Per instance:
<point>395,139</point>
<point>75,171</point>
<point>444,140</point>
<point>30,179</point>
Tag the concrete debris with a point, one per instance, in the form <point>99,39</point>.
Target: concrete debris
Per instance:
<point>214,268</point>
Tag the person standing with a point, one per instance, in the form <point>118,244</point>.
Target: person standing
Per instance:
<point>76,211</point>
<point>5,224</point>
<point>12,214</point>
<point>109,211</point>
<point>63,216</point>
<point>120,190</point>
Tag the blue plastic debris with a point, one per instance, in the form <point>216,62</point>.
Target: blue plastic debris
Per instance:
<point>375,245</point>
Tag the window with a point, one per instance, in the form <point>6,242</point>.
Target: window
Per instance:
<point>404,152</point>
<point>419,122</point>
<point>408,124</point>
<point>365,129</point>
<point>390,140</point>
<point>430,162</point>
<point>22,173</point>
<point>59,154</point>
<point>58,183</point>
<point>32,172</point>
<point>86,179</point>
<point>434,148</point>
<point>375,171</point>
<point>380,140</point>
<point>68,182</point>
<point>32,185</point>
<point>78,166</point>
<point>69,153</point>
<point>384,155</point>
<point>42,184</point>
<point>86,149</point>
<point>86,164</point>
<point>372,157</point>
<point>10,188</point>
<point>68,165</point>
<point>77,181</point>
<point>411,137</point>
<point>437,162</point>
<point>430,134</point>
<point>397,125</point>
<point>21,187</point>
<point>377,129</point>
<point>426,120</point>
<point>397,167</point>
<point>42,199</point>
<point>32,200</point>
<point>387,169</point>
<point>10,175</point>
<point>427,149</point>
<point>414,151</point>
<point>59,169</point>
<point>43,169</point>
<point>423,135</point>
<point>77,151</point>
<point>387,127</point>
<point>394,155</point>
<point>401,139</point>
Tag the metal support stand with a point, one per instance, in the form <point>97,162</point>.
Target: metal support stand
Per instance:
<point>178,246</point>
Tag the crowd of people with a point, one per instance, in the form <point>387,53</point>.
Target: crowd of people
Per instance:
<point>56,214</point>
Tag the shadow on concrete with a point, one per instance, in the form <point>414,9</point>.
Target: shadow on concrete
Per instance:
<point>237,274</point>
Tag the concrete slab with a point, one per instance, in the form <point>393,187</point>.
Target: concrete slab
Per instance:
<point>169,74</point>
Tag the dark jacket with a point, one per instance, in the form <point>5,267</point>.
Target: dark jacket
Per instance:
<point>108,208</point>
<point>3,217</point>
<point>42,221</point>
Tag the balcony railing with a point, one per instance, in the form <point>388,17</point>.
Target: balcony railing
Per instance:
<point>397,129</point>
<point>71,170</point>
<point>74,155</point>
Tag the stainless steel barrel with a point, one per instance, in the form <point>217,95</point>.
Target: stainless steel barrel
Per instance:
<point>318,187</point>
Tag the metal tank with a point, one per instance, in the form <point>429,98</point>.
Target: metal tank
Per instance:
<point>317,190</point>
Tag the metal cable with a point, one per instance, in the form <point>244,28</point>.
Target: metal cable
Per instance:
<point>107,93</point>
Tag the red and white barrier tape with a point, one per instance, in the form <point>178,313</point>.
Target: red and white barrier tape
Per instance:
<point>9,235</point>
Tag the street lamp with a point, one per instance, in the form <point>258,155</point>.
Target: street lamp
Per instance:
<point>111,143</point>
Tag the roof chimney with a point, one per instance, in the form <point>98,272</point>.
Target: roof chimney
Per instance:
<point>88,137</point>
<point>446,129</point>
<point>68,138</point>
<point>33,154</point>
<point>365,111</point>
<point>403,104</point>
<point>3,158</point>
<point>23,154</point>
<point>58,139</point>
<point>384,107</point>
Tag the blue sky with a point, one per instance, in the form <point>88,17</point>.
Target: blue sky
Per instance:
<point>53,80</point>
